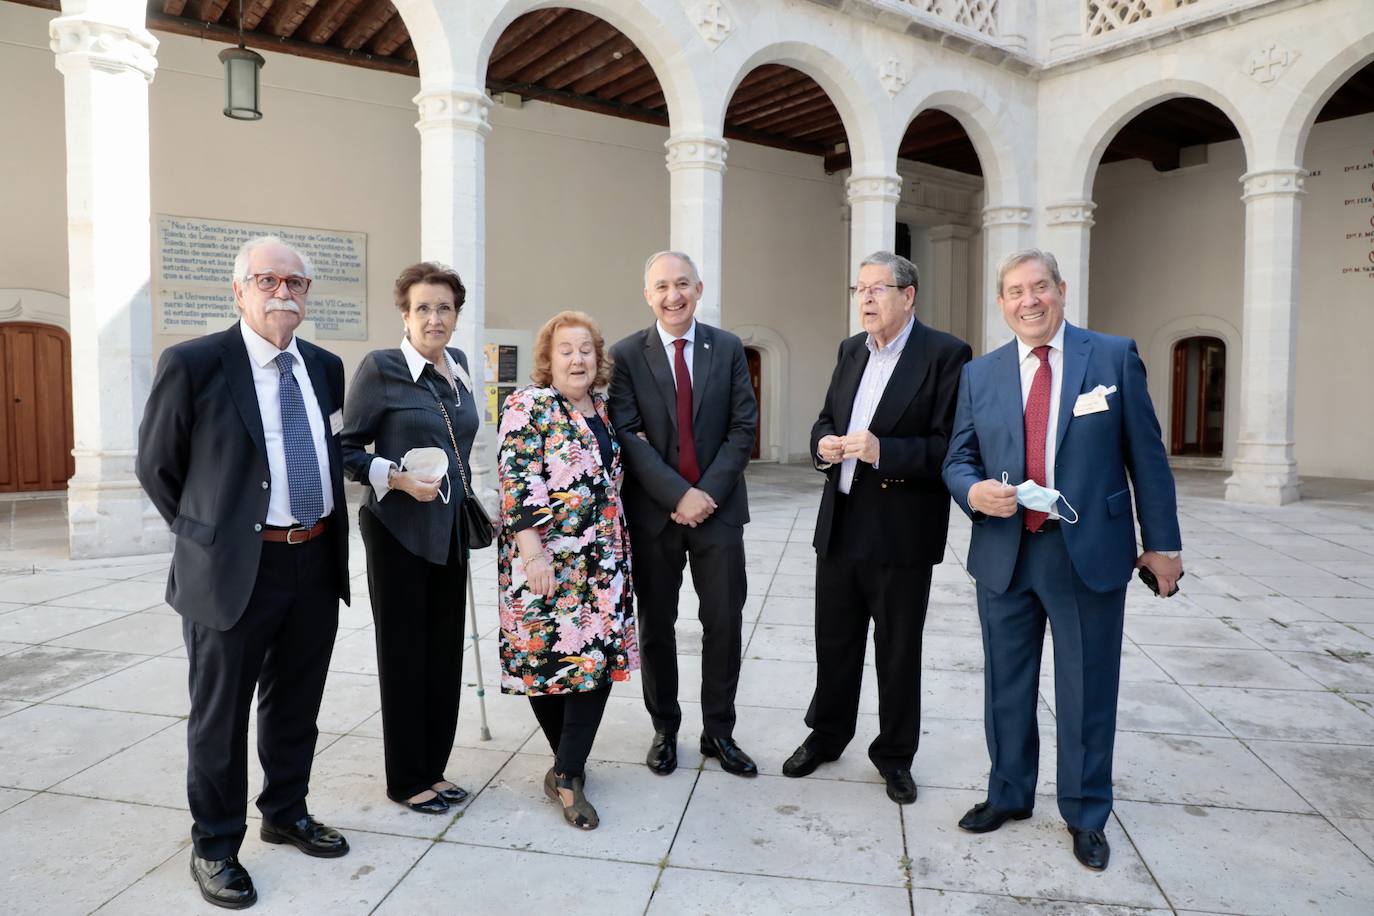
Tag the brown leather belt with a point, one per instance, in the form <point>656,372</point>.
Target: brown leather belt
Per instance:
<point>297,535</point>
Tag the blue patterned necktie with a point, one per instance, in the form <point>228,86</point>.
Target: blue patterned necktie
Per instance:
<point>302,465</point>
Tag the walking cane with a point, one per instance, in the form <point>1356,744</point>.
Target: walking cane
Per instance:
<point>477,658</point>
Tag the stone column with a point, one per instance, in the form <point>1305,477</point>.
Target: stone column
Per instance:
<point>696,176</point>
<point>1068,226</point>
<point>873,222</point>
<point>1263,469</point>
<point>949,293</point>
<point>106,68</point>
<point>454,123</point>
<point>1005,229</point>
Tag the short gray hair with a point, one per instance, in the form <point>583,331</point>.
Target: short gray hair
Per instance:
<point>903,271</point>
<point>681,256</point>
<point>253,244</point>
<point>1017,258</point>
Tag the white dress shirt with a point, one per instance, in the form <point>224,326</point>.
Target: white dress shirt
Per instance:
<point>380,468</point>
<point>687,351</point>
<point>877,373</point>
<point>1029,364</point>
<point>267,383</point>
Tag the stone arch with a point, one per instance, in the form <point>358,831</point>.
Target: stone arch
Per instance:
<point>1315,93</point>
<point>426,24</point>
<point>39,306</point>
<point>1003,182</point>
<point>777,404</point>
<point>1098,134</point>
<point>1159,360</point>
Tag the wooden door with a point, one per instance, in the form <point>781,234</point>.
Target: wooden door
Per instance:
<point>1199,397</point>
<point>755,361</point>
<point>36,436</point>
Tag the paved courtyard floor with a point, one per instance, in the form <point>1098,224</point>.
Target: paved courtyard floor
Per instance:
<point>1244,764</point>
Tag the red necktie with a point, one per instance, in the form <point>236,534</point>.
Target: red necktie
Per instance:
<point>686,443</point>
<point>1037,425</point>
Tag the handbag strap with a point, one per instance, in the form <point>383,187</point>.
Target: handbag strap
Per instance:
<point>462,471</point>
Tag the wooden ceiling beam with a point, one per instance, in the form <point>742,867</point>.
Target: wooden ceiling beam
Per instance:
<point>591,38</point>
<point>286,16</point>
<point>582,102</point>
<point>813,105</point>
<point>537,46</point>
<point>611,52</point>
<point>406,51</point>
<point>325,19</point>
<point>210,10</point>
<point>808,120</point>
<point>648,90</point>
<point>254,11</point>
<point>1161,152</point>
<point>367,21</point>
<point>391,37</point>
<point>773,102</point>
<point>775,141</point>
<point>173,7</point>
<point>629,83</point>
<point>751,91</point>
<point>920,140</point>
<point>593,82</point>
<point>522,30</point>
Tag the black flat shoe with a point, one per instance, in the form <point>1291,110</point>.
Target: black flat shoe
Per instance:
<point>984,818</point>
<point>731,756</point>
<point>580,812</point>
<point>803,762</point>
<point>435,805</point>
<point>309,836</point>
<point>224,882</point>
<point>1091,848</point>
<point>454,796</point>
<point>662,758</point>
<point>901,788</point>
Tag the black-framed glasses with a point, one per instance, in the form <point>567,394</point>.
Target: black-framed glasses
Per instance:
<point>295,285</point>
<point>876,289</point>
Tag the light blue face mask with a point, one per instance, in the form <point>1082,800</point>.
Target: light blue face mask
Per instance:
<point>1041,499</point>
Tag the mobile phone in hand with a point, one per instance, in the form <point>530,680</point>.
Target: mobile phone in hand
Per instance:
<point>1148,577</point>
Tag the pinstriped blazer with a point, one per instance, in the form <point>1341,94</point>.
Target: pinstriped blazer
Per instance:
<point>394,413</point>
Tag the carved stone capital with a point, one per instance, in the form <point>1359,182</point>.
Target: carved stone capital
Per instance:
<point>696,153</point>
<point>1284,182</point>
<point>79,42</point>
<point>860,188</point>
<point>449,108</point>
<point>1006,216</point>
<point>1071,213</point>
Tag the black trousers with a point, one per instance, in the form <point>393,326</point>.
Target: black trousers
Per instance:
<point>418,616</point>
<point>569,722</point>
<point>281,647</point>
<point>850,592</point>
<point>716,552</point>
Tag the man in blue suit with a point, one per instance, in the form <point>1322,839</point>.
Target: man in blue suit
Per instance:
<point>1059,409</point>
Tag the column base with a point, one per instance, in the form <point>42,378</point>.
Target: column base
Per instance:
<point>1263,483</point>
<point>113,518</point>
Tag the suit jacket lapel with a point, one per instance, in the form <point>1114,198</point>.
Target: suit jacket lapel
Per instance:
<point>1007,373</point>
<point>657,358</point>
<point>1077,346</point>
<point>701,366</point>
<point>848,387</point>
<point>907,377</point>
<point>238,374</point>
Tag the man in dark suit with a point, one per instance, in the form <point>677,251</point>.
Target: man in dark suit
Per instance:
<point>239,451</point>
<point>1055,421</point>
<point>880,440</point>
<point>684,411</point>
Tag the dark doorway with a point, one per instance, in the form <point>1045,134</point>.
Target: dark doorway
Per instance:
<point>36,435</point>
<point>755,360</point>
<point>1199,397</point>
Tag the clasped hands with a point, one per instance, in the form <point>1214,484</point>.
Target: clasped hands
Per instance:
<point>861,445</point>
<point>422,490</point>
<point>694,508</point>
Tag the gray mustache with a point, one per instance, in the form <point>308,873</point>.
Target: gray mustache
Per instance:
<point>282,305</point>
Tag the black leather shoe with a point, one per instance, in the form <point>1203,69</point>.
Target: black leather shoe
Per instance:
<point>436,805</point>
<point>224,882</point>
<point>309,836</point>
<point>984,818</point>
<point>454,796</point>
<point>731,755</point>
<point>1091,848</point>
<point>803,762</point>
<point>901,788</point>
<point>662,757</point>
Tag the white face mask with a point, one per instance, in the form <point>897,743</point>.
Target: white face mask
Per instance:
<point>1041,499</point>
<point>428,463</point>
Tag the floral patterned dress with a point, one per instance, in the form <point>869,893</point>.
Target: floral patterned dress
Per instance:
<point>552,477</point>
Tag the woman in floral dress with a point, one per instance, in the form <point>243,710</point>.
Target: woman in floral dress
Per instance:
<point>567,616</point>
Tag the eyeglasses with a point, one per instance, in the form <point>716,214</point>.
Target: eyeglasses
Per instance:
<point>877,289</point>
<point>445,311</point>
<point>268,283</point>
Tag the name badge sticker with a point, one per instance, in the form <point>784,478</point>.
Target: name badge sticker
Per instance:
<point>1090,402</point>
<point>336,422</point>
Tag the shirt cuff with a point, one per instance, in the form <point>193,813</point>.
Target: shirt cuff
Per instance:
<point>1169,554</point>
<point>377,474</point>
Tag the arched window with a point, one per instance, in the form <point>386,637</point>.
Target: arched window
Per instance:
<point>1199,397</point>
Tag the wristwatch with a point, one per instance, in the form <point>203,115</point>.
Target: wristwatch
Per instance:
<point>391,473</point>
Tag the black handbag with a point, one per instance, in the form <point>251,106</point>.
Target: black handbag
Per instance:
<point>478,530</point>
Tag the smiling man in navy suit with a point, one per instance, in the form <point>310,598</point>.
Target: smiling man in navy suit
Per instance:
<point>1048,429</point>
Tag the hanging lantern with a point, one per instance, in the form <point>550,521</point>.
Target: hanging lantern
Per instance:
<point>242,79</point>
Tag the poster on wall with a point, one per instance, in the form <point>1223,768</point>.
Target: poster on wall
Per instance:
<point>195,263</point>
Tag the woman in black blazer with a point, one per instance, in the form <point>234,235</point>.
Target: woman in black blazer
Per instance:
<point>417,395</point>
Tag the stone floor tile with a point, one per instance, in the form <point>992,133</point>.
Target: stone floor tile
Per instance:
<point>1194,770</point>
<point>849,832</point>
<point>1032,858</point>
<point>45,744</point>
<point>951,694</point>
<point>1333,777</point>
<point>1360,831</point>
<point>954,755</point>
<point>150,772</point>
<point>1286,715</point>
<point>40,587</point>
<point>509,722</point>
<point>639,812</point>
<point>691,892</point>
<point>1346,610</point>
<point>39,672</point>
<point>953,619</point>
<point>118,596</point>
<point>1229,668</point>
<point>1352,672</point>
<point>355,652</point>
<point>39,837</point>
<point>11,797</point>
<point>490,659</point>
<point>770,735</point>
<point>1269,607</point>
<point>786,642</point>
<point>1145,706</point>
<point>156,686</point>
<point>348,787</point>
<point>1307,636</point>
<point>489,880</point>
<point>1186,631</point>
<point>349,700</point>
<point>1237,585</point>
<point>952,903</point>
<point>770,682</point>
<point>948,652</point>
<point>135,634</point>
<point>799,585</point>
<point>1254,862</point>
<point>41,622</point>
<point>12,706</point>
<point>287,882</point>
<point>1316,586</point>
<point>626,732</point>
